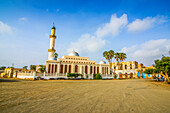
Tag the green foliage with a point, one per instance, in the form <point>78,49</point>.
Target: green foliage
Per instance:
<point>87,76</point>
<point>43,68</point>
<point>97,76</point>
<point>149,71</point>
<point>2,68</point>
<point>108,55</point>
<point>75,75</point>
<point>56,55</point>
<point>163,65</point>
<point>115,76</point>
<point>25,67</point>
<point>33,67</point>
<point>120,56</point>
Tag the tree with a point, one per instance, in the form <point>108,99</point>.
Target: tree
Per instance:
<point>122,56</point>
<point>25,67</point>
<point>163,67</point>
<point>117,56</point>
<point>105,54</point>
<point>108,55</point>
<point>43,68</point>
<point>2,68</point>
<point>56,55</point>
<point>149,71</point>
<point>33,67</point>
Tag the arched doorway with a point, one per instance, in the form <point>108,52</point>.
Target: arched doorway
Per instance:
<point>149,75</point>
<point>126,75</point>
<point>143,75</point>
<point>138,74</point>
<point>86,68</point>
<point>94,70</point>
<point>76,69</point>
<point>97,70</point>
<point>91,69</point>
<point>65,69</point>
<point>131,75</point>
<point>69,68</point>
<point>61,68</point>
<point>120,75</point>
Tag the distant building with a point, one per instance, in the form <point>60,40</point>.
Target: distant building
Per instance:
<point>129,69</point>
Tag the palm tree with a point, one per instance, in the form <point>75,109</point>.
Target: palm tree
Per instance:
<point>117,56</point>
<point>56,55</point>
<point>122,56</point>
<point>111,55</point>
<point>105,54</point>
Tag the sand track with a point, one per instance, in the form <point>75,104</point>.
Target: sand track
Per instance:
<point>119,96</point>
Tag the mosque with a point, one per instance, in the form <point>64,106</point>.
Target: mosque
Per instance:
<point>72,63</point>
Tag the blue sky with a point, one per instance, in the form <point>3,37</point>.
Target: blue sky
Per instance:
<point>140,28</point>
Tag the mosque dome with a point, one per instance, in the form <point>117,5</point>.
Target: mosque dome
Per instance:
<point>52,58</point>
<point>73,53</point>
<point>102,62</point>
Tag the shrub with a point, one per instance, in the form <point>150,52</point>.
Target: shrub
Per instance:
<point>97,76</point>
<point>87,76</point>
<point>75,75</point>
<point>115,76</point>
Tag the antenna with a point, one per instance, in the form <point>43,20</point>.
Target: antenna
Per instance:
<point>53,23</point>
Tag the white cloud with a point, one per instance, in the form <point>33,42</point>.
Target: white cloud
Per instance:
<point>149,51</point>
<point>145,24</point>
<point>114,27</point>
<point>88,43</point>
<point>23,19</point>
<point>5,29</point>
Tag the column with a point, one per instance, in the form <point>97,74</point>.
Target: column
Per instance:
<point>51,68</point>
<point>63,69</point>
<point>88,69</point>
<point>47,65</point>
<point>73,68</point>
<point>67,68</point>
<point>109,70</point>
<point>100,69</point>
<point>58,68</point>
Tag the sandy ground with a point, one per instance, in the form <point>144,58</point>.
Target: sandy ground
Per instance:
<point>117,96</point>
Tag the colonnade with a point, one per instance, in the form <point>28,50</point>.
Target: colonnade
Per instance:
<point>75,68</point>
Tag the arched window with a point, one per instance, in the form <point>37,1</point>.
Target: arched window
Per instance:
<point>130,66</point>
<point>125,66</point>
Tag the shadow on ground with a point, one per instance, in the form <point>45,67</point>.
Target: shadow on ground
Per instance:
<point>8,80</point>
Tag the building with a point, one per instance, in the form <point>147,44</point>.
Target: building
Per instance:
<point>72,63</point>
<point>130,69</point>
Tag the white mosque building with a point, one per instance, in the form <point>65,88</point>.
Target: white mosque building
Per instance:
<point>73,63</point>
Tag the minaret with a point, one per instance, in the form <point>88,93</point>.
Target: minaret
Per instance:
<point>51,50</point>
